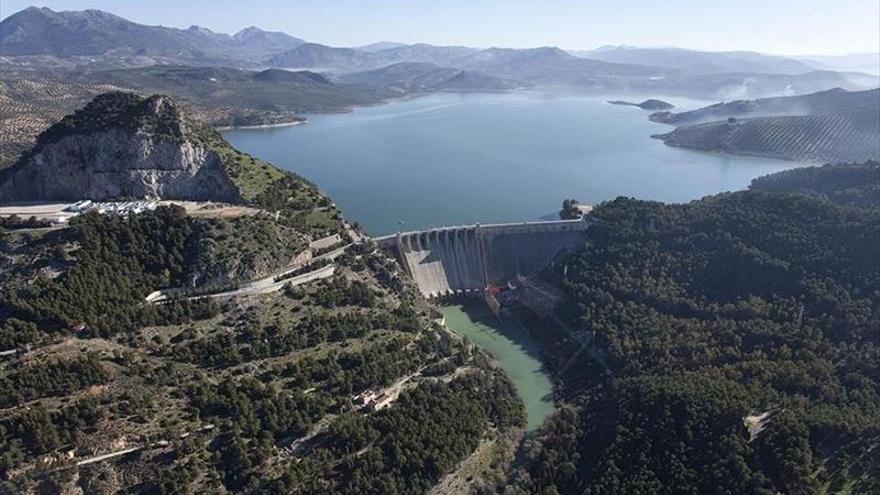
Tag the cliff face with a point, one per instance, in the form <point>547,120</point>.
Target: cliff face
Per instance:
<point>121,146</point>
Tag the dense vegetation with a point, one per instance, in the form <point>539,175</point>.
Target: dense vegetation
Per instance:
<point>118,262</point>
<point>854,184</point>
<point>706,313</point>
<point>253,395</point>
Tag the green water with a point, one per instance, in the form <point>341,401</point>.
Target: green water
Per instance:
<point>516,353</point>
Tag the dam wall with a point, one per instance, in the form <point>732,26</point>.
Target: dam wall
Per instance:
<point>468,259</point>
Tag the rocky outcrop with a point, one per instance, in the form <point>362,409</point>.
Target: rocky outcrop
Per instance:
<point>122,146</point>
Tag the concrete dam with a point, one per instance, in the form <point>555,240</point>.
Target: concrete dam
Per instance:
<point>468,259</point>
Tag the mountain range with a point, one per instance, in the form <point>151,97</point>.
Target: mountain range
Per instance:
<point>42,31</point>
<point>43,38</point>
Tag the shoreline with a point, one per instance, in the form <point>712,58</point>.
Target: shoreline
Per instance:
<point>260,126</point>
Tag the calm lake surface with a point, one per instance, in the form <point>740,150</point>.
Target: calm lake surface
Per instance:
<point>456,159</point>
<point>517,354</point>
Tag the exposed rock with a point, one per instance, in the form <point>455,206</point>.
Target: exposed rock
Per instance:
<point>123,146</point>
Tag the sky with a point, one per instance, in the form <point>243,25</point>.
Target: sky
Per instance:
<point>789,27</point>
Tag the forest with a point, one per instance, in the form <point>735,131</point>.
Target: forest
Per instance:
<point>214,392</point>
<point>742,310</point>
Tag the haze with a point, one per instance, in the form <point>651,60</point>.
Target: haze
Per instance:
<point>782,27</point>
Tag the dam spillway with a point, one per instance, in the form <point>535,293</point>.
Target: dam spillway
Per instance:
<point>465,259</point>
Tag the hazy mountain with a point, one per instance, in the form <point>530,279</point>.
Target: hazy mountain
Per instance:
<point>860,62</point>
<point>699,62</point>
<point>42,31</point>
<point>314,55</point>
<point>421,52</point>
<point>832,126</point>
<point>262,44</point>
<point>552,66</point>
<point>731,86</point>
<point>421,77</point>
<point>380,45</point>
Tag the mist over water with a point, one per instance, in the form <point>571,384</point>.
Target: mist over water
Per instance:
<point>462,158</point>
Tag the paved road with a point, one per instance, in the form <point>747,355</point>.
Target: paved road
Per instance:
<point>262,288</point>
<point>266,284</point>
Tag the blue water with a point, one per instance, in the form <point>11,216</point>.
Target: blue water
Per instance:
<point>454,159</point>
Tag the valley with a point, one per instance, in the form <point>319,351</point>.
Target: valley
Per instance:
<point>258,263</point>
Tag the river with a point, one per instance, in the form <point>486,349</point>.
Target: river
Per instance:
<point>509,343</point>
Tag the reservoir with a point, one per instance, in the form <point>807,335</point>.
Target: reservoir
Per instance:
<point>450,159</point>
<point>509,343</point>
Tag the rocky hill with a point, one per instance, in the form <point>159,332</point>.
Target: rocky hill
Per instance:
<point>122,145</point>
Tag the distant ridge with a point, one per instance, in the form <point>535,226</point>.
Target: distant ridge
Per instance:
<point>699,62</point>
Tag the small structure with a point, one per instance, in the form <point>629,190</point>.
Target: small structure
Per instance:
<point>365,398</point>
<point>80,206</point>
<point>383,401</point>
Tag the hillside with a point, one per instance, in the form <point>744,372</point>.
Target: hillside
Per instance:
<point>738,336</point>
<point>102,391</point>
<point>831,126</point>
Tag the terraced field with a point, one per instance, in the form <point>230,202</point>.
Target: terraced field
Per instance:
<point>831,102</point>
<point>813,138</point>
